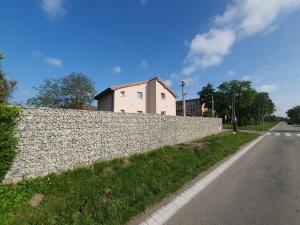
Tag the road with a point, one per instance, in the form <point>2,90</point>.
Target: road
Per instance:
<point>262,187</point>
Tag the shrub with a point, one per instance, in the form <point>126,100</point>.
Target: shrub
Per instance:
<point>8,141</point>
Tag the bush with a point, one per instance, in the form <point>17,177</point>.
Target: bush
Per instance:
<point>8,141</point>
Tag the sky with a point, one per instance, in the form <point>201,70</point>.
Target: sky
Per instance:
<point>119,41</point>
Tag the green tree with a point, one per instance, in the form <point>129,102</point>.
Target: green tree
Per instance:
<point>244,96</point>
<point>294,114</point>
<point>206,95</point>
<point>251,106</point>
<point>262,107</point>
<point>72,91</point>
<point>6,86</point>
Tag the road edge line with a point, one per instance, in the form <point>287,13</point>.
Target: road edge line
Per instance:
<point>163,214</point>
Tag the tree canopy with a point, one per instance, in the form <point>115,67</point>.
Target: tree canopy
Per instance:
<point>6,86</point>
<point>72,91</point>
<point>294,114</point>
<point>251,106</point>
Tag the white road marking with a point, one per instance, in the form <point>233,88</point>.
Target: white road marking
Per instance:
<point>277,134</point>
<point>268,133</point>
<point>163,214</point>
<point>288,134</point>
<point>298,135</point>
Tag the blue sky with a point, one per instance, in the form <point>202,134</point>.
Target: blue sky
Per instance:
<point>120,41</point>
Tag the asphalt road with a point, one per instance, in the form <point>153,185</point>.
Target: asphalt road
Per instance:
<point>263,187</point>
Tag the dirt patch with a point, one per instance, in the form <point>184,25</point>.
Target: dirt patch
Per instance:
<point>126,162</point>
<point>36,200</point>
<point>106,197</point>
<point>107,171</point>
<point>193,146</point>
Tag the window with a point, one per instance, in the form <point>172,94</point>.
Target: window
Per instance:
<point>163,113</point>
<point>163,95</point>
<point>122,93</point>
<point>140,95</point>
<point>140,111</point>
<point>122,110</point>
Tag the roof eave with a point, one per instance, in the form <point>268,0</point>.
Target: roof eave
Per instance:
<point>105,92</point>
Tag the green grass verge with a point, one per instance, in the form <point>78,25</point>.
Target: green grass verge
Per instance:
<point>112,192</point>
<point>267,126</point>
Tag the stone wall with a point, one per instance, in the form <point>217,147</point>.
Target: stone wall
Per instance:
<point>54,140</point>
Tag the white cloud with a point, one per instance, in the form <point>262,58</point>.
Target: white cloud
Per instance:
<point>191,81</point>
<point>174,76</point>
<point>53,8</point>
<point>25,92</point>
<point>268,88</point>
<point>208,49</point>
<point>37,54</point>
<point>250,17</point>
<point>53,61</point>
<point>49,60</point>
<point>246,78</point>
<point>231,72</point>
<point>143,2</point>
<point>117,70</point>
<point>144,64</point>
<point>169,82</point>
<point>241,19</point>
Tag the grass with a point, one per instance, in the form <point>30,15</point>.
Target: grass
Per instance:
<point>267,126</point>
<point>112,192</point>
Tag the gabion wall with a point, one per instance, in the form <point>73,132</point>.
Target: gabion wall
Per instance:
<point>55,140</point>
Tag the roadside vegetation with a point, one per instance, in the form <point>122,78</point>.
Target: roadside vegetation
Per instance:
<point>8,141</point>
<point>255,127</point>
<point>294,115</point>
<point>112,192</point>
<point>251,106</point>
<point>8,116</point>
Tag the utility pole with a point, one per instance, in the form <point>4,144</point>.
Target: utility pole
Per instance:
<point>259,115</point>
<point>233,113</point>
<point>183,100</point>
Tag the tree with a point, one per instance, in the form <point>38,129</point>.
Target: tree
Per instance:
<point>6,86</point>
<point>206,95</point>
<point>242,93</point>
<point>72,91</point>
<point>250,106</point>
<point>262,107</point>
<point>294,114</point>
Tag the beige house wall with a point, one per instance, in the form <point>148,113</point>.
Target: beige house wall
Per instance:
<point>151,102</point>
<point>167,105</point>
<point>130,103</point>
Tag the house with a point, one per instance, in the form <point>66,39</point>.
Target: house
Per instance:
<point>150,96</point>
<point>192,107</point>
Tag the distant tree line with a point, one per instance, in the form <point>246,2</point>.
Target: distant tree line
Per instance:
<point>251,107</point>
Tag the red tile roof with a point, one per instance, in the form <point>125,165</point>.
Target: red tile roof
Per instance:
<point>113,88</point>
